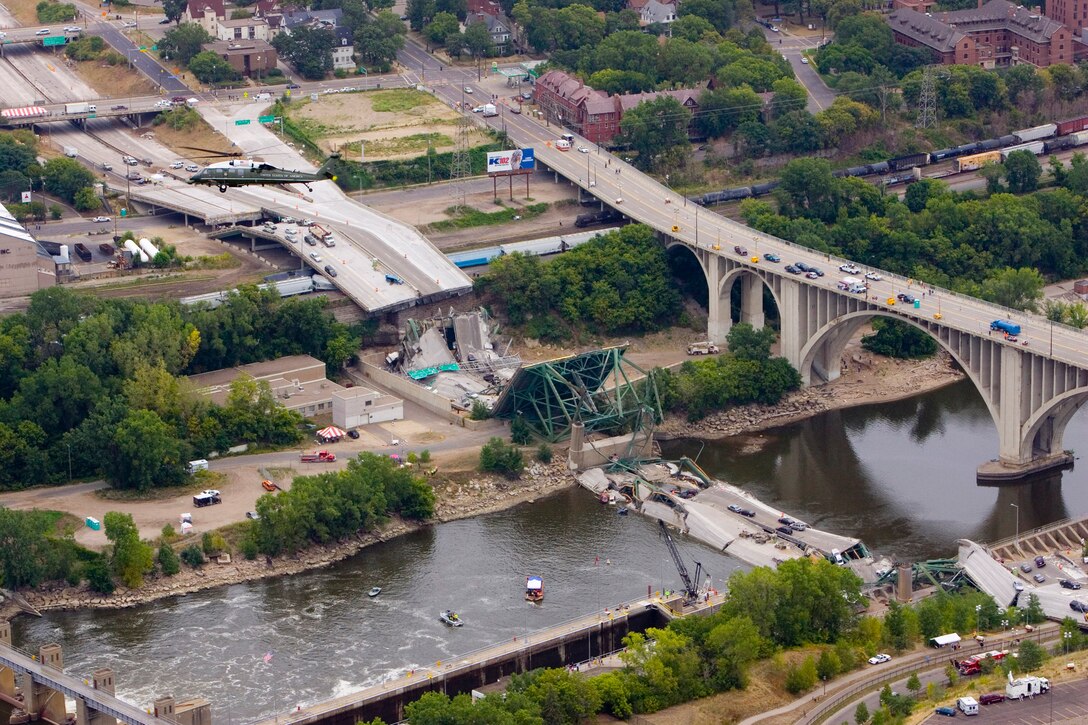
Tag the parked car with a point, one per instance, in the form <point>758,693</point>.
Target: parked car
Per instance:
<point>105,219</point>
<point>946,711</point>
<point>734,508</point>
<point>1040,562</point>
<point>812,275</point>
<point>192,168</point>
<point>468,90</point>
<point>804,60</point>
<point>165,21</point>
<point>747,512</point>
<point>1078,606</point>
<point>784,530</point>
<point>1025,567</point>
<point>252,515</point>
<point>1018,586</point>
<point>1069,584</point>
<point>991,698</point>
<point>353,434</point>
<point>819,272</point>
<point>742,251</point>
<point>293,86</point>
<point>873,276</point>
<point>880,659</point>
<point>316,257</point>
<point>849,268</point>
<point>1039,578</point>
<point>802,266</point>
<point>792,269</point>
<point>772,257</point>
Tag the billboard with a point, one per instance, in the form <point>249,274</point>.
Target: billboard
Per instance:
<point>507,161</point>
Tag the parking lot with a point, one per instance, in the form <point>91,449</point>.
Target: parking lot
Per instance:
<point>1065,703</point>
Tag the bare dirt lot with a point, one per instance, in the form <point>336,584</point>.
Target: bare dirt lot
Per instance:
<point>392,124</point>
<point>112,81</point>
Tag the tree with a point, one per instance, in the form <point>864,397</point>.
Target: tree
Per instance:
<point>1020,289</point>
<point>168,560</point>
<point>748,343</point>
<point>654,128</point>
<point>419,13</point>
<point>693,28</point>
<point>724,109</point>
<point>1032,656</point>
<point>65,177</point>
<point>441,26</point>
<point>544,453</point>
<point>131,558</point>
<point>684,62</point>
<point>174,9</point>
<point>808,189</point>
<point>208,67</point>
<point>145,452</point>
<point>85,200</point>
<point>183,42</point>
<point>193,556</point>
<point>499,457</point>
<point>828,665</point>
<point>520,432</point>
<point>98,575</point>
<point>800,679</point>
<point>894,338</point>
<point>379,41</point>
<point>721,15</point>
<point>1034,614</point>
<point>914,684</point>
<point>308,49</point>
<point>861,714</point>
<point>1022,171</point>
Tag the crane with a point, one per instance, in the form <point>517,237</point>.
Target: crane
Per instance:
<point>691,591</point>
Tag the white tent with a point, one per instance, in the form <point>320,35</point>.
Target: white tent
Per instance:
<point>944,640</point>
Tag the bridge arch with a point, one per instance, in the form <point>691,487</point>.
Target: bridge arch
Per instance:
<point>828,342</point>
<point>1044,431</point>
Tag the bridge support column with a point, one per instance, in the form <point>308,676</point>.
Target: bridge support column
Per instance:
<point>718,303</point>
<point>87,715</point>
<point>7,675</point>
<point>791,339</point>
<point>43,701</point>
<point>751,301</point>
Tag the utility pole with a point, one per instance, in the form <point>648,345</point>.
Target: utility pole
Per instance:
<point>460,163</point>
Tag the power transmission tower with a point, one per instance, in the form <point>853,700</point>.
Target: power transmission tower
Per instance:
<point>460,164</point>
<point>927,99</point>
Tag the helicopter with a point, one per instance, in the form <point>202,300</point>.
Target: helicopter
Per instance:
<point>243,172</point>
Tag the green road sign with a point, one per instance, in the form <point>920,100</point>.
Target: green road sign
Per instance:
<point>54,40</point>
<point>266,119</point>
<point>242,122</point>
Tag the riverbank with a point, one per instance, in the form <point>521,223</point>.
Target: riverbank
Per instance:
<point>477,496</point>
<point>870,379</point>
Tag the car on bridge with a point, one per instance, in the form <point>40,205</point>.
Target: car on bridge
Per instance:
<point>873,276</point>
<point>73,29</point>
<point>1069,584</point>
<point>792,269</point>
<point>849,268</point>
<point>772,257</point>
<point>119,108</point>
<point>910,300</point>
<point>811,274</point>
<point>43,31</point>
<point>316,257</point>
<point>742,251</point>
<point>330,270</point>
<point>1078,606</point>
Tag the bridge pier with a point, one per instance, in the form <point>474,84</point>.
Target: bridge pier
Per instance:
<point>719,306</point>
<point>41,700</point>
<point>7,675</point>
<point>751,301</point>
<point>102,679</point>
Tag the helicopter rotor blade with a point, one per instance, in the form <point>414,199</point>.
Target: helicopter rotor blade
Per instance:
<point>213,152</point>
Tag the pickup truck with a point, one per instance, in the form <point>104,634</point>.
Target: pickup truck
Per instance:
<point>317,457</point>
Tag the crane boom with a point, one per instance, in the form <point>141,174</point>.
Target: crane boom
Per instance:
<point>691,591</point>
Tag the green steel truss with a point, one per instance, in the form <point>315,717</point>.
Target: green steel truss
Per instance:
<point>600,389</point>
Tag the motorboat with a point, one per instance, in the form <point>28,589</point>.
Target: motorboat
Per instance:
<point>450,618</point>
<point>534,589</point>
<point>622,511</point>
<point>374,591</point>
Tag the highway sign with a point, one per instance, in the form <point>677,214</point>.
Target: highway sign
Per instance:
<point>54,40</point>
<point>266,119</point>
<point>242,122</point>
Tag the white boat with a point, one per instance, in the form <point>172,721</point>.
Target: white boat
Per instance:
<point>534,589</point>
<point>450,618</point>
<point>374,591</point>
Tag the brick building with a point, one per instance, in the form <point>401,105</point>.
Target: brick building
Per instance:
<point>248,57</point>
<point>594,114</point>
<point>995,35</point>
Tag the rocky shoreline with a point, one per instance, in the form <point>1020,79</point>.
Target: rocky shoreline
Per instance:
<point>883,380</point>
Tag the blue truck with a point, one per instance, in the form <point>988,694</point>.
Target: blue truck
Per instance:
<point>1005,326</point>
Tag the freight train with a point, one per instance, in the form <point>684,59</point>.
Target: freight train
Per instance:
<point>1046,139</point>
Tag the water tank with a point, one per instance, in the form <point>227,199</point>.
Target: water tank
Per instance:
<point>147,246</point>
<point>64,258</point>
<point>1080,287</point>
<point>137,253</point>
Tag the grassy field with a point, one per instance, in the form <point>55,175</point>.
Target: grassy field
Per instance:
<point>400,100</point>
<point>466,217</point>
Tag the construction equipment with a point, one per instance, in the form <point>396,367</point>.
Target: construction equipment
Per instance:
<point>691,590</point>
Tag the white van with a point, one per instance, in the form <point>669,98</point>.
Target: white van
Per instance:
<point>967,705</point>
<point>199,464</point>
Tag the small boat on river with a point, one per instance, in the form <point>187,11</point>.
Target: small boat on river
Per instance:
<point>534,589</point>
<point>374,591</point>
<point>450,618</point>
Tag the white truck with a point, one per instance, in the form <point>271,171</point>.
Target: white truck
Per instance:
<point>81,107</point>
<point>703,348</point>
<point>490,110</point>
<point>71,152</point>
<point>967,705</point>
<point>1029,686</point>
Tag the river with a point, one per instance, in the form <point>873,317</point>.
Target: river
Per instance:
<point>899,475</point>
<point>327,638</point>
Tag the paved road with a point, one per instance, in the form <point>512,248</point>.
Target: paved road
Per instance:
<point>872,700</point>
<point>1067,702</point>
<point>792,48</point>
